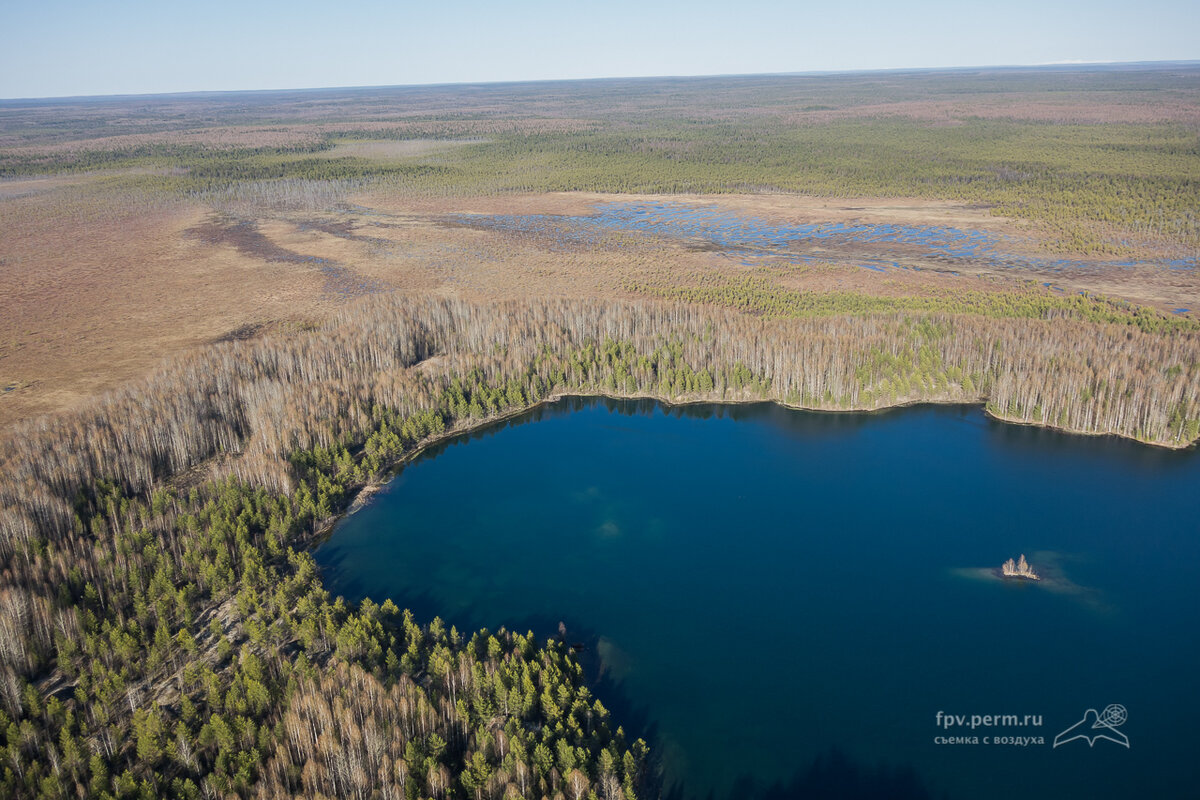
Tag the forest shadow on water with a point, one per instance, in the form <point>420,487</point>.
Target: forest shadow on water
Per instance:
<point>584,642</point>
<point>807,423</point>
<point>831,775</point>
<point>834,775</point>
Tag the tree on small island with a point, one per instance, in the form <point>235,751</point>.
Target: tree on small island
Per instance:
<point>1020,569</point>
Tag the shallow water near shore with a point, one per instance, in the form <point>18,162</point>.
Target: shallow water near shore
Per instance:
<point>782,601</point>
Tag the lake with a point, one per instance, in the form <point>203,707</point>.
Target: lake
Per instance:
<point>782,602</point>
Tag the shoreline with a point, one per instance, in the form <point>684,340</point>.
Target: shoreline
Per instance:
<point>363,496</point>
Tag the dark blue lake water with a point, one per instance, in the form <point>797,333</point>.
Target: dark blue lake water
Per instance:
<point>784,601</point>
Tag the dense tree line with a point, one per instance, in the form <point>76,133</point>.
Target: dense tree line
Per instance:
<point>759,295</point>
<point>1101,187</point>
<point>173,642</point>
<point>165,633</point>
<point>183,156</point>
<point>1086,183</point>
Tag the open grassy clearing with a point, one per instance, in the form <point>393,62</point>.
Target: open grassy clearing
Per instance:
<point>186,218</point>
<point>184,275</point>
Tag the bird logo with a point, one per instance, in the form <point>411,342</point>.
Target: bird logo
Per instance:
<point>1097,725</point>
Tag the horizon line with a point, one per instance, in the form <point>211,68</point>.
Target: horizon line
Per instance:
<point>1064,65</point>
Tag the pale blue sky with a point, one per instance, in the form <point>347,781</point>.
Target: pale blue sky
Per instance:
<point>65,47</point>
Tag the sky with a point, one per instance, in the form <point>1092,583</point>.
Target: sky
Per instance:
<point>51,48</point>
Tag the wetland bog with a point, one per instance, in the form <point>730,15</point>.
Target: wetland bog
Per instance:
<point>226,318</point>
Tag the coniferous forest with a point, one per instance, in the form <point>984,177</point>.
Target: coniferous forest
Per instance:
<point>164,630</point>
<point>166,634</point>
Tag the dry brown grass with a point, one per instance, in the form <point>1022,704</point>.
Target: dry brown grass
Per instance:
<point>92,303</point>
<point>97,292</point>
<point>12,189</point>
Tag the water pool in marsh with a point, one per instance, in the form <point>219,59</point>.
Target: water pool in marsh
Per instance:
<point>751,240</point>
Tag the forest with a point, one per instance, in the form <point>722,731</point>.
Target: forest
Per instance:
<point>164,631</point>
<point>166,634</point>
<point>1093,158</point>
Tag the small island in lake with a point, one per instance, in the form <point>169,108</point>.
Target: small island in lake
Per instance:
<point>1019,569</point>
